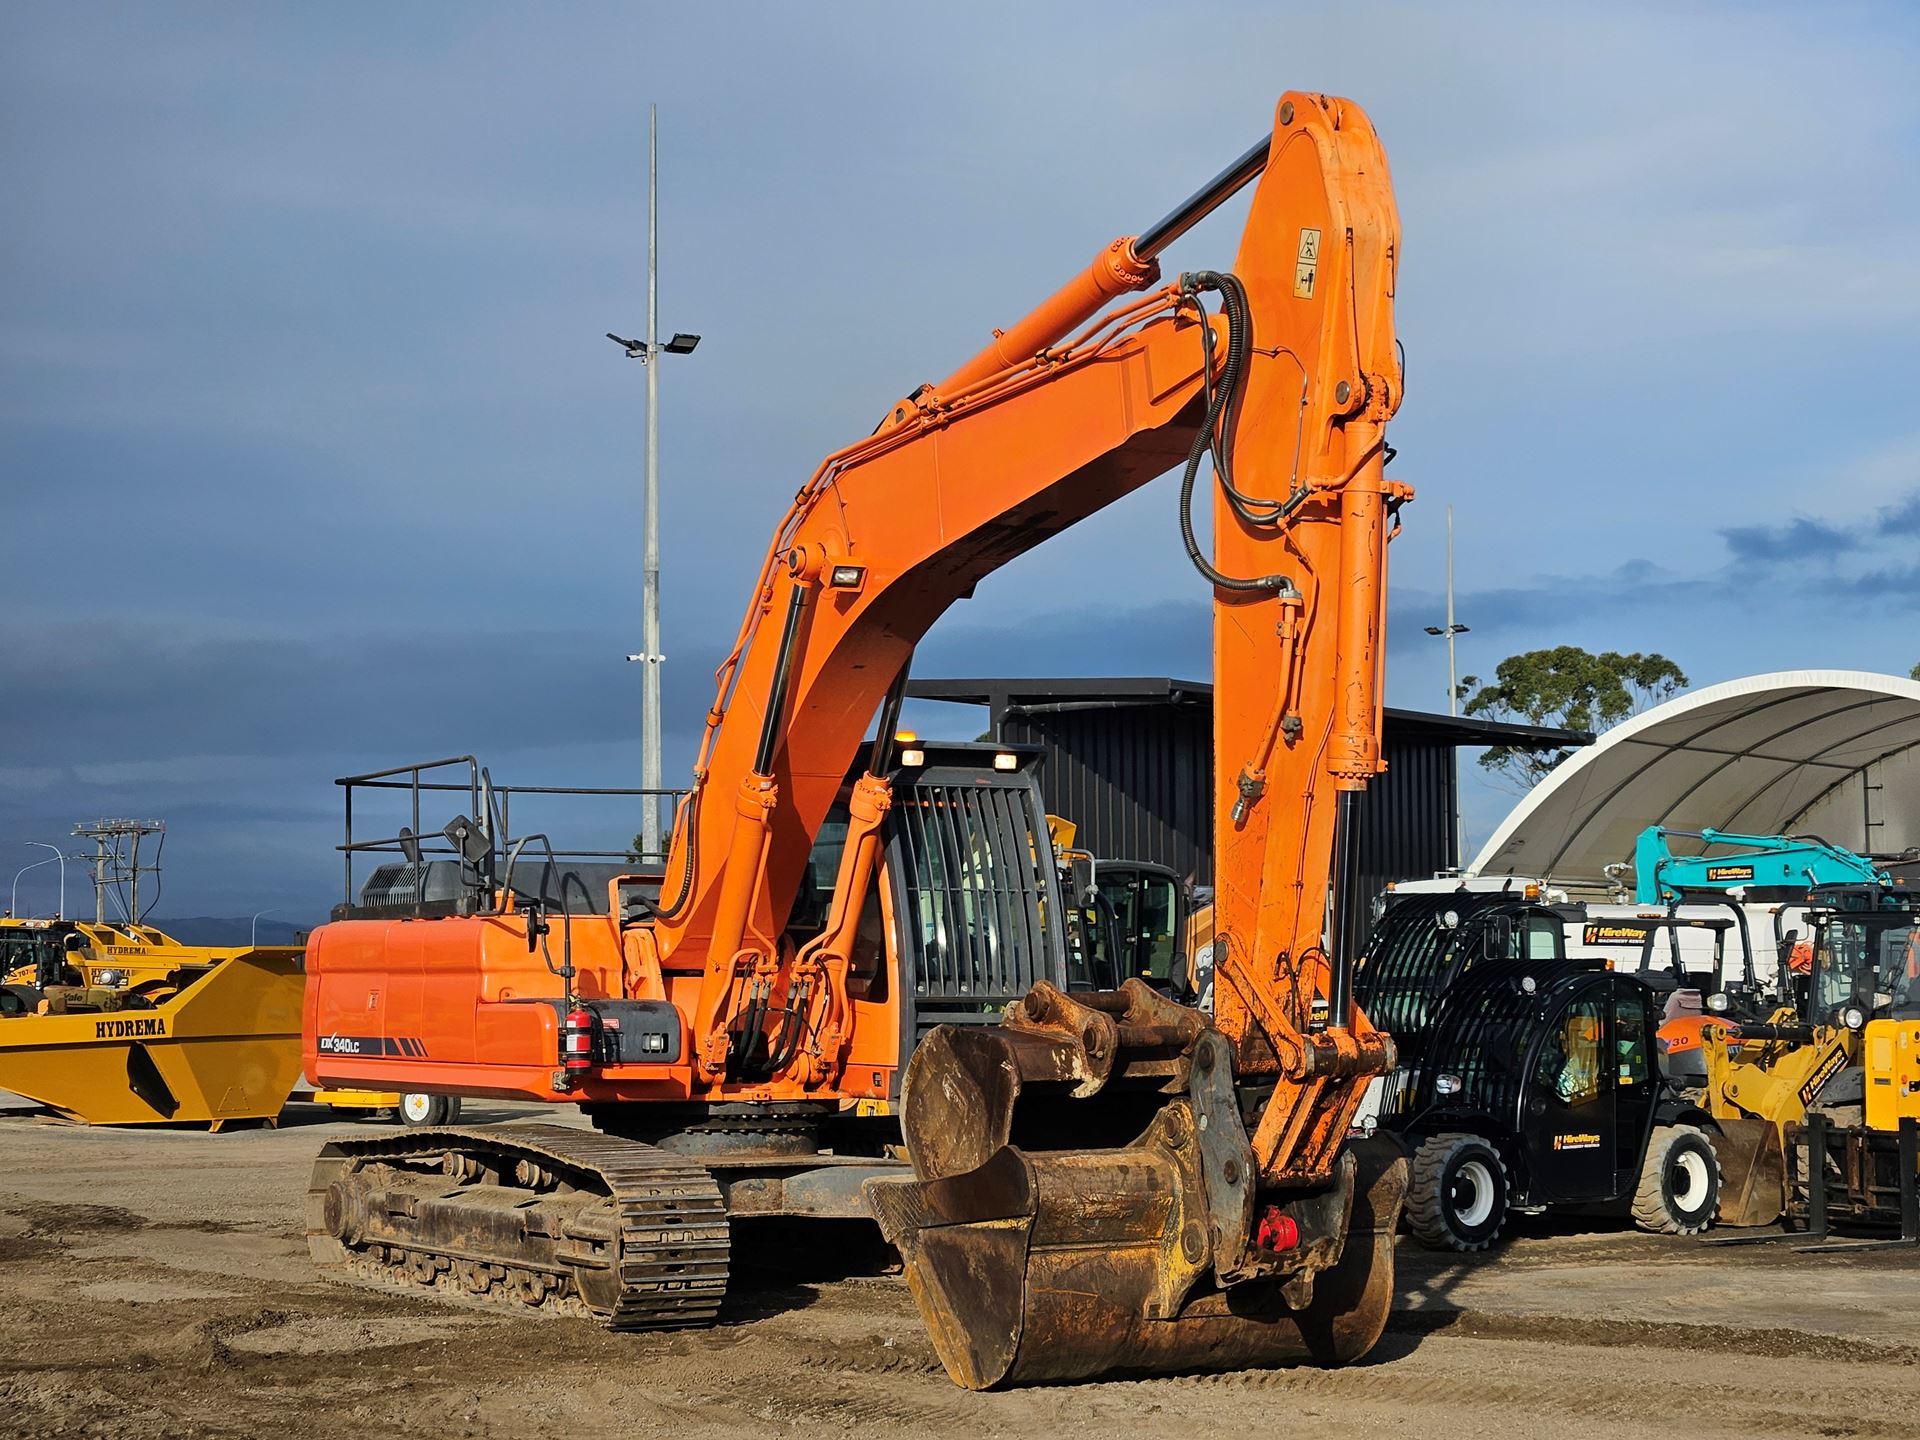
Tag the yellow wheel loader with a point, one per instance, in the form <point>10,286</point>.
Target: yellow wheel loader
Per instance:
<point>1843,1060</point>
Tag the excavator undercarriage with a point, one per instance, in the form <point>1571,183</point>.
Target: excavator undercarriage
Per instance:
<point>545,1217</point>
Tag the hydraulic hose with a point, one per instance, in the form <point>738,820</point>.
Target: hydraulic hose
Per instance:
<point>689,824</point>
<point>1222,402</point>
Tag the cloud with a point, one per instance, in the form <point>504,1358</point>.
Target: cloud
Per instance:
<point>305,408</point>
<point>1799,541</point>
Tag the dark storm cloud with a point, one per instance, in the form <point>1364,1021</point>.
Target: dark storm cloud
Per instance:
<point>1799,541</point>
<point>312,456</point>
<point>131,691</point>
<point>1900,518</point>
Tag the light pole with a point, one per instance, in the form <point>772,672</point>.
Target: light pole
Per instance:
<point>60,855</point>
<point>1450,630</point>
<point>253,935</point>
<point>647,352</point>
<point>13,902</point>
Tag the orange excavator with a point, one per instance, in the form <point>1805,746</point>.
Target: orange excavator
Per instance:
<point>843,963</point>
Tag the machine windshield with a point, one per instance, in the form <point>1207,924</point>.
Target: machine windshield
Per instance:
<point>1872,961</point>
<point>37,952</point>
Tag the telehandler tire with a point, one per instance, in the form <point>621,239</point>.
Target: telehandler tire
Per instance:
<point>1679,1191</point>
<point>1457,1198</point>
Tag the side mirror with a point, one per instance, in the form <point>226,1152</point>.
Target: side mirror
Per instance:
<point>1080,869</point>
<point>537,925</point>
<point>469,839</point>
<point>409,845</point>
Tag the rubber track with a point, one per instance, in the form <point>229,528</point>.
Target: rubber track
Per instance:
<point>674,1239</point>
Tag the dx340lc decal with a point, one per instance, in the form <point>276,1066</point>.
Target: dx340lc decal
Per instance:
<point>404,1047</point>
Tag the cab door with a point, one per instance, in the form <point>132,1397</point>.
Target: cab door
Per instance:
<point>1631,1026</point>
<point>1570,1125</point>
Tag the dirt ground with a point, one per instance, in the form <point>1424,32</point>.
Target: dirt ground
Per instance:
<point>155,1284</point>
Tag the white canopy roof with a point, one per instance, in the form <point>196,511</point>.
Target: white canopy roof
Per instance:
<point>1829,752</point>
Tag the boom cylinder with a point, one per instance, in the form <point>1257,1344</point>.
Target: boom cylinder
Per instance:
<point>1203,202</point>
<point>747,851</point>
<point>782,677</point>
<point>1129,263</point>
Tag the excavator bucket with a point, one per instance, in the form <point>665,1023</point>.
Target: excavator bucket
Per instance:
<point>1140,1253</point>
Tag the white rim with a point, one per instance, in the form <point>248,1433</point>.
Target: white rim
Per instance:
<point>1689,1180</point>
<point>415,1107</point>
<point>1473,1191</point>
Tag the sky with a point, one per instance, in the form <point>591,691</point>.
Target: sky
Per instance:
<point>314,459</point>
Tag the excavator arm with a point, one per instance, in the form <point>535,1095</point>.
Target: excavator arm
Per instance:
<point>1225,1217</point>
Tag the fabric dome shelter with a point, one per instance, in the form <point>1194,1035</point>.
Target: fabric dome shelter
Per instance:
<point>1834,753</point>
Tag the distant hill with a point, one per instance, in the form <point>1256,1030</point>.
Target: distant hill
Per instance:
<point>228,929</point>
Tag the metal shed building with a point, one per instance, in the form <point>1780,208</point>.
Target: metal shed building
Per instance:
<point>1130,761</point>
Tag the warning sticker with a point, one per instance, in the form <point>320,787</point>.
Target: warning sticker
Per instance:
<point>1306,264</point>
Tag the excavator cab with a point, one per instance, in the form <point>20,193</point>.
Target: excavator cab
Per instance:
<point>973,884</point>
<point>966,877</point>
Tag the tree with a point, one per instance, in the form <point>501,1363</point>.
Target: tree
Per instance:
<point>1566,687</point>
<point>1914,673</point>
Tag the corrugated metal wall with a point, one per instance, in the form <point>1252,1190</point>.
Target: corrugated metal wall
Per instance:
<point>1137,779</point>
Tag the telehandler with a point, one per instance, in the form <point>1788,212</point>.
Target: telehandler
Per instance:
<point>1095,1182</point>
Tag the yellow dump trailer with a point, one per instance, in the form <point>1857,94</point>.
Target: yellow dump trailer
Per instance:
<point>224,1047</point>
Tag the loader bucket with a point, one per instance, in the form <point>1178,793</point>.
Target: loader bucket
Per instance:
<point>1753,1171</point>
<point>225,1047</point>
<point>1132,1256</point>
